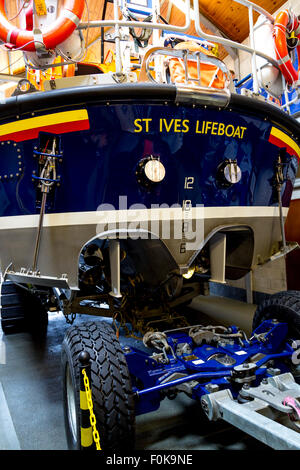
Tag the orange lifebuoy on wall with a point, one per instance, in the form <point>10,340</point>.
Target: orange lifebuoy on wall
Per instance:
<point>286,23</point>
<point>53,35</point>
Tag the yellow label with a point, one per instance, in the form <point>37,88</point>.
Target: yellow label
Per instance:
<point>215,50</point>
<point>40,7</point>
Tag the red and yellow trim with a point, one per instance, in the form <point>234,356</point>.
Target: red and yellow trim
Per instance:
<point>280,139</point>
<point>55,123</point>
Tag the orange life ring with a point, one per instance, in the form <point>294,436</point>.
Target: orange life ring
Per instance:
<point>286,23</point>
<point>53,35</point>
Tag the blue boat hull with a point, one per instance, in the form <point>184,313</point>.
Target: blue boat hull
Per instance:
<point>97,173</point>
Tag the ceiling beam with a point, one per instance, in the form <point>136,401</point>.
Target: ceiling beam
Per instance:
<point>206,23</point>
<point>209,25</point>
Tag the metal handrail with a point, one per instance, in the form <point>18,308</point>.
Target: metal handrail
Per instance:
<point>140,24</point>
<point>117,23</point>
<point>228,42</point>
<point>288,103</point>
<point>185,55</point>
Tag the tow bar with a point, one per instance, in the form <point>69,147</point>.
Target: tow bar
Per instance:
<point>269,412</point>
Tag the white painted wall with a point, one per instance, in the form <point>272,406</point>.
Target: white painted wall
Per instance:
<point>268,279</point>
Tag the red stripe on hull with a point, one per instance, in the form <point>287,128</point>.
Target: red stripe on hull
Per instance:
<point>279,143</point>
<point>62,128</point>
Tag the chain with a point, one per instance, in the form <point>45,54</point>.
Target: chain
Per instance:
<point>90,407</point>
<point>70,317</point>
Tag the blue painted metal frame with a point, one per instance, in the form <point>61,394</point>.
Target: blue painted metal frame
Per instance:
<point>149,377</point>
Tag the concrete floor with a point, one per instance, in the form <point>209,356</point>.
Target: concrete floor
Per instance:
<point>31,414</point>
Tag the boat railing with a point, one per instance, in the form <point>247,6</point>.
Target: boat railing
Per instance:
<point>290,99</point>
<point>185,56</point>
<point>151,64</point>
<point>155,24</point>
<point>252,50</point>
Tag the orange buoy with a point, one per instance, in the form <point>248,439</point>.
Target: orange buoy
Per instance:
<point>285,24</point>
<point>53,35</point>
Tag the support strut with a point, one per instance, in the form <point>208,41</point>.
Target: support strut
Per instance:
<point>259,417</point>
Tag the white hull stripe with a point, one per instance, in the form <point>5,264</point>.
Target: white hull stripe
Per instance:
<point>121,216</point>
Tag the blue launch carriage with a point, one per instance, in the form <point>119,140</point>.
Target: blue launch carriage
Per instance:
<point>122,194</point>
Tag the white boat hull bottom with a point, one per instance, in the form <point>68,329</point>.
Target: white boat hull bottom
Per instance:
<point>182,232</point>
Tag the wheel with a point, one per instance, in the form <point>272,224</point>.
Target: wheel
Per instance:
<point>282,306</point>
<point>22,311</point>
<point>12,311</point>
<point>295,293</point>
<point>285,307</point>
<point>36,316</point>
<point>113,401</point>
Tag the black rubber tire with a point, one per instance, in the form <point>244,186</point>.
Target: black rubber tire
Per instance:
<point>12,311</point>
<point>22,311</point>
<point>113,401</point>
<point>295,293</point>
<point>282,306</point>
<point>36,316</point>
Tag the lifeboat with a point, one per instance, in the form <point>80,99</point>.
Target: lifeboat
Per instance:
<point>123,194</point>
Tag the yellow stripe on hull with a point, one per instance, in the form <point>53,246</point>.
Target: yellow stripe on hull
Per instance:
<point>286,139</point>
<point>43,121</point>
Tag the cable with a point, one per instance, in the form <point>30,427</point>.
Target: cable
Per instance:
<point>22,7</point>
<point>9,65</point>
<point>86,41</point>
<point>4,48</point>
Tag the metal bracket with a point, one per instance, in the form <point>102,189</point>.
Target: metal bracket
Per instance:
<point>284,250</point>
<point>28,87</point>
<point>114,257</point>
<point>112,36</point>
<point>259,416</point>
<point>217,248</point>
<point>119,77</point>
<point>27,276</point>
<point>272,395</point>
